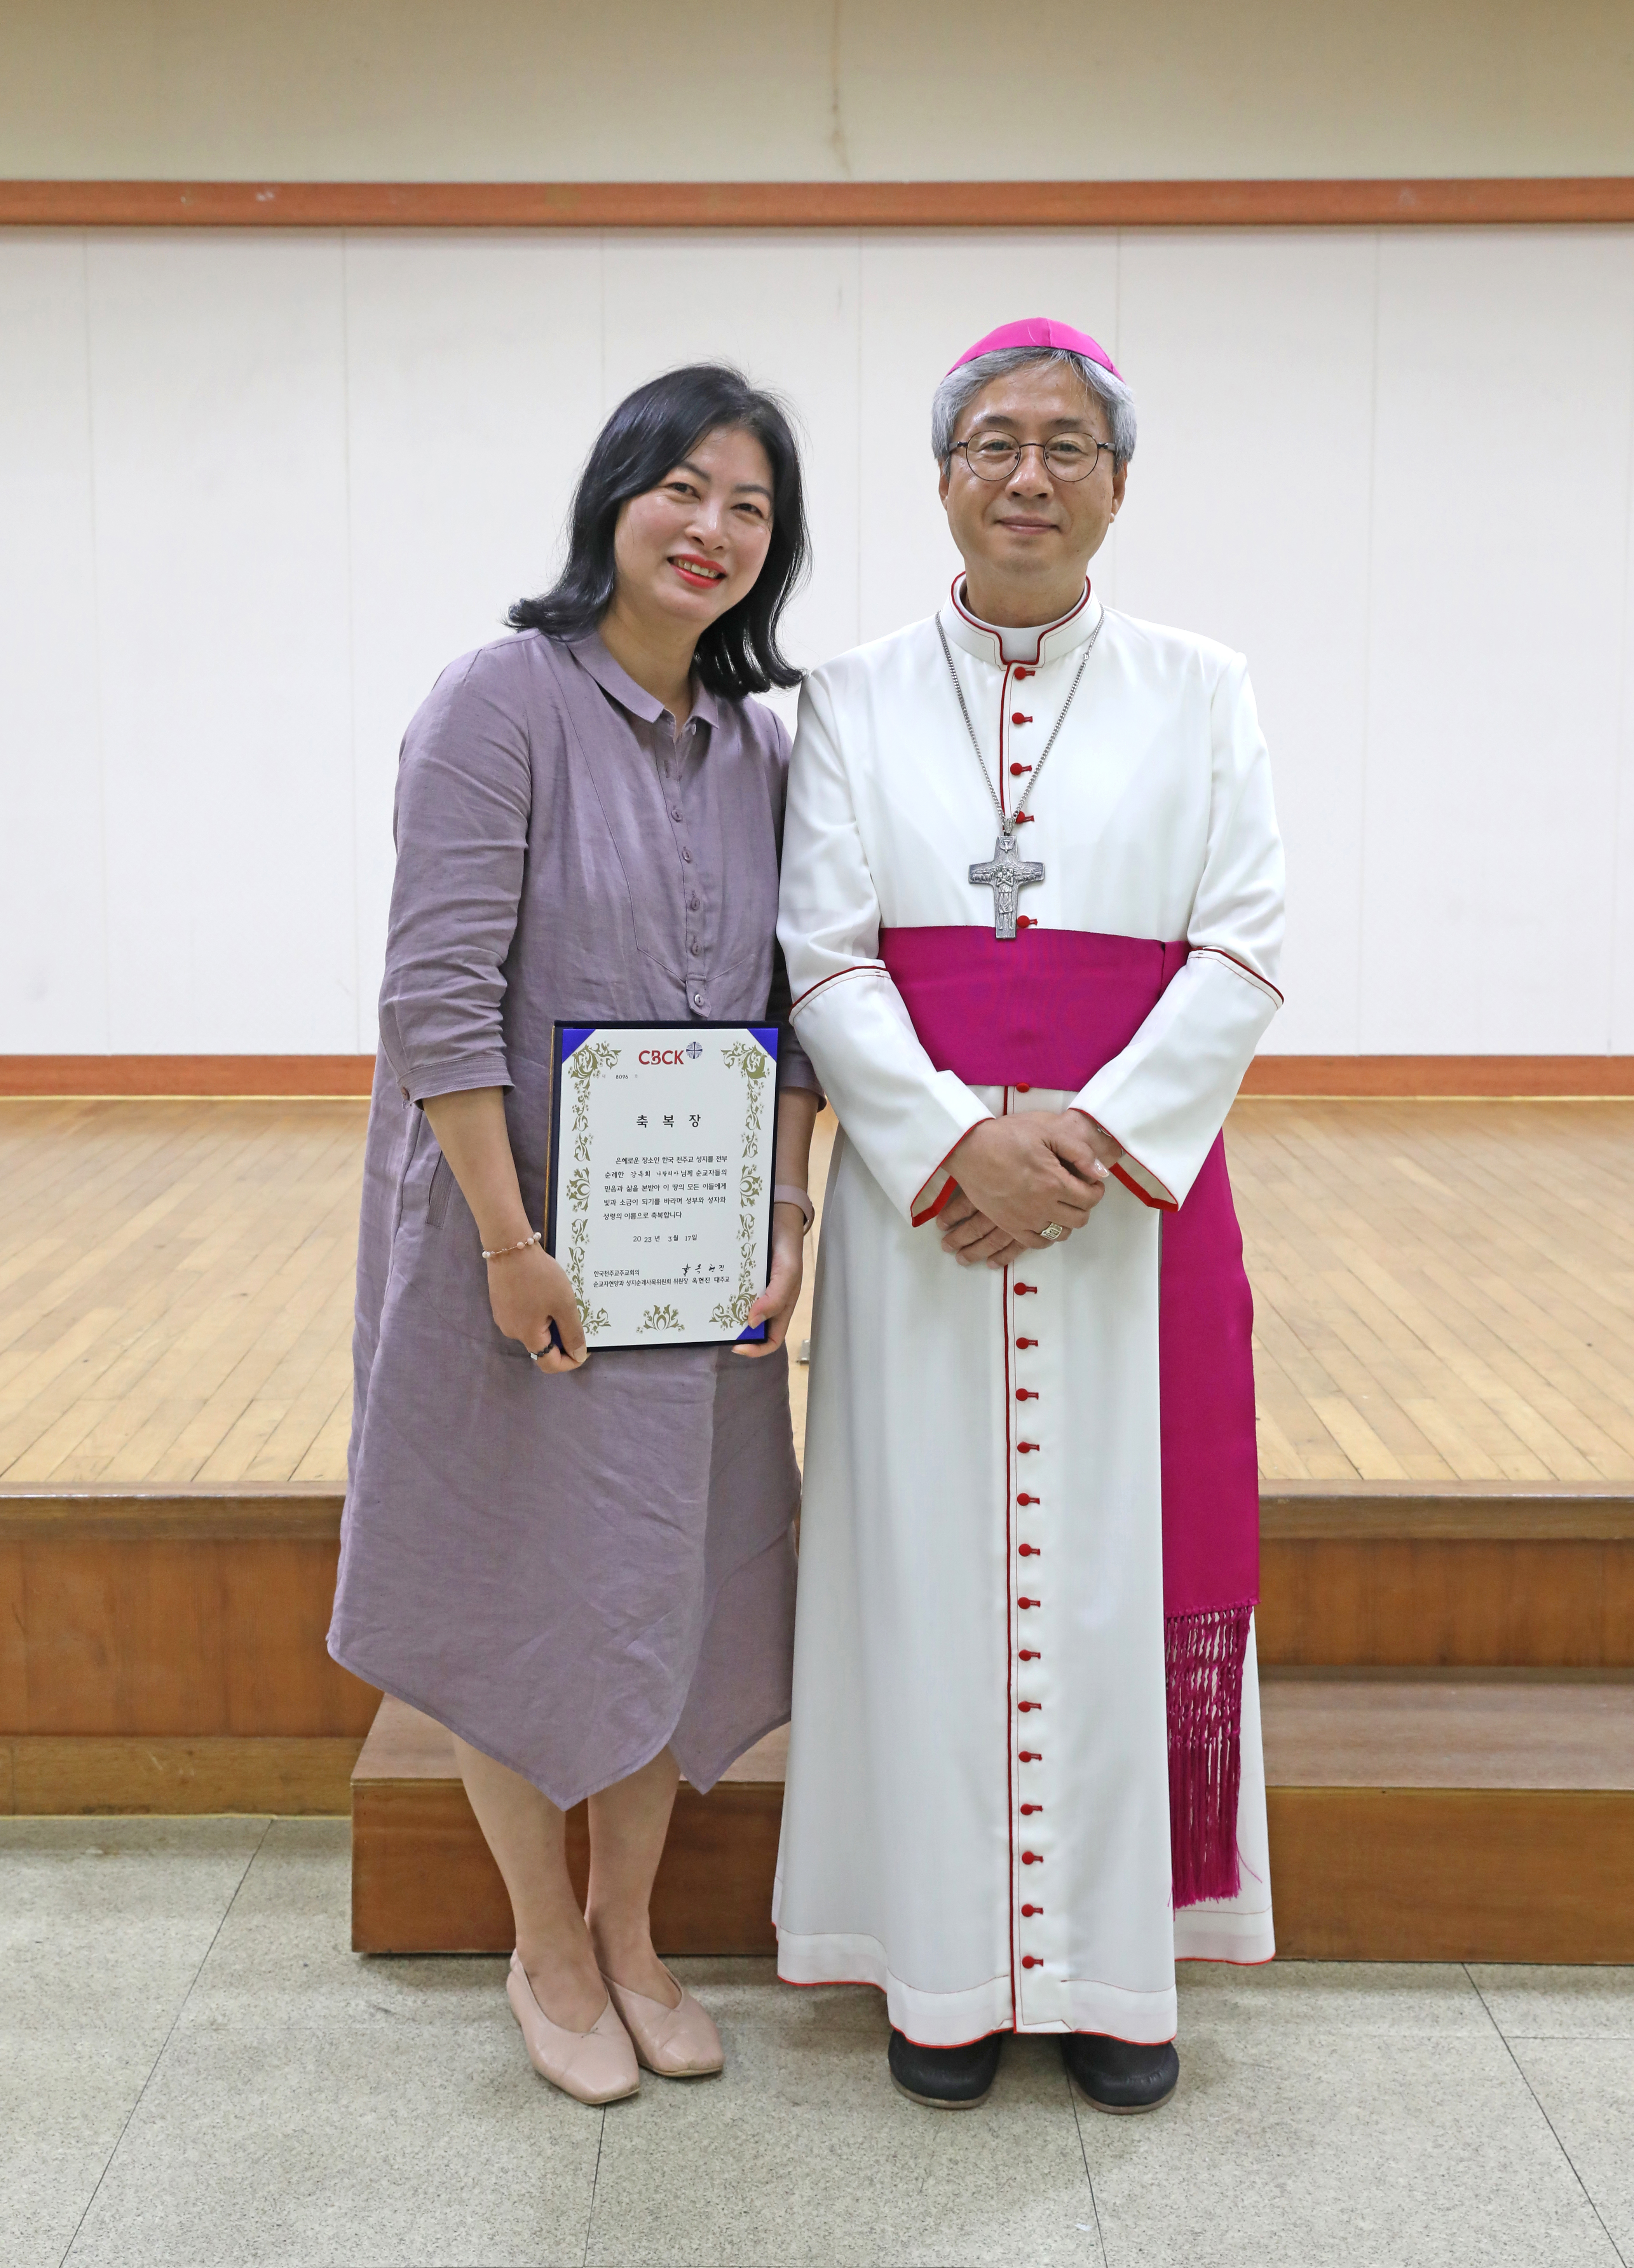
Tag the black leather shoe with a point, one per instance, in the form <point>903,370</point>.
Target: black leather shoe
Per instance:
<point>946,2079</point>
<point>1121,2074</point>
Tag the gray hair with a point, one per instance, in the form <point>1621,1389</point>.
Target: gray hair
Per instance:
<point>960,388</point>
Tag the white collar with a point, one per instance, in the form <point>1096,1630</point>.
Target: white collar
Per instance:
<point>1047,642</point>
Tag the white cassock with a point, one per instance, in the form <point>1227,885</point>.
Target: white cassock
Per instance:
<point>976,1814</point>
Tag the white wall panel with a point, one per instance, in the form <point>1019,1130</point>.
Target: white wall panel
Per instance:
<point>1246,518</point>
<point>1500,535</point>
<point>53,926</point>
<point>217,400</point>
<point>473,386</point>
<point>257,491</point>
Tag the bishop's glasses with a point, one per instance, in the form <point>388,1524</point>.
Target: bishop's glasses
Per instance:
<point>1069,457</point>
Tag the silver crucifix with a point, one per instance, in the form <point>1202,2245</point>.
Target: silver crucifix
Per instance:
<point>1006,876</point>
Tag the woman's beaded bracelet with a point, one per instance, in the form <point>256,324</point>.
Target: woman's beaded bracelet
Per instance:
<point>500,1250</point>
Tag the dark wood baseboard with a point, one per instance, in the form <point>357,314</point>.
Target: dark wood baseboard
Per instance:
<point>1460,202</point>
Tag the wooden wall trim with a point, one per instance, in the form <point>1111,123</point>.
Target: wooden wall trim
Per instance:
<point>114,1076</point>
<point>1467,202</point>
<point>1315,1076</point>
<point>1496,1077</point>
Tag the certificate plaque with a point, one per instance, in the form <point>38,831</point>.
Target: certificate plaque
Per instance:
<point>661,1152</point>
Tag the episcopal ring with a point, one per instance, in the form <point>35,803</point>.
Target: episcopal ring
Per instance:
<point>1052,1232</point>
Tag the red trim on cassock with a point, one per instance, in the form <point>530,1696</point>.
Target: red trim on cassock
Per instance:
<point>856,968</point>
<point>1156,1204</point>
<point>1237,961</point>
<point>1044,631</point>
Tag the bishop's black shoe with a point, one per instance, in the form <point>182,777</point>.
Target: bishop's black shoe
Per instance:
<point>1122,2075</point>
<point>946,2079</point>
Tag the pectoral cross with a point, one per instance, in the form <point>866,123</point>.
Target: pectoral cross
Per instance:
<point>1006,876</point>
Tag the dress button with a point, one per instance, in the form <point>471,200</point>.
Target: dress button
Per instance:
<point>697,999</point>
<point>695,901</point>
<point>686,854</point>
<point>1025,1287</point>
<point>674,810</point>
<point>1027,1809</point>
<point>1027,1394</point>
<point>693,945</point>
<point>1022,1087</point>
<point>1025,1705</point>
<point>1030,1911</point>
<point>1028,1602</point>
<point>1029,1551</point>
<point>1028,1757</point>
<point>1032,1858</point>
<point>1031,1960</point>
<point>1016,717</point>
<point>1026,1449</point>
<point>1029,1654</point>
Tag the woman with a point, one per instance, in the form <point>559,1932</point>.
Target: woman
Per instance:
<point>582,1565</point>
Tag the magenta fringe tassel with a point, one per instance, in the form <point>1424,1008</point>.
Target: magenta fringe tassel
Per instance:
<point>1204,1655</point>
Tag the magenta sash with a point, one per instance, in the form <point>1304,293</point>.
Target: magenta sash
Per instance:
<point>1047,1009</point>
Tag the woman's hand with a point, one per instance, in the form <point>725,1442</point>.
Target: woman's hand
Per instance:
<point>528,1291</point>
<point>775,1307</point>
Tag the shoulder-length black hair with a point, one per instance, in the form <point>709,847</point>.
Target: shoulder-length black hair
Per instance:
<point>646,437</point>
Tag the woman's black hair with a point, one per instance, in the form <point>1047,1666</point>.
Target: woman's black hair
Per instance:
<point>646,437</point>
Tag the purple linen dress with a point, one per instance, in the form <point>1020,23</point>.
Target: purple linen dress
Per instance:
<point>568,1571</point>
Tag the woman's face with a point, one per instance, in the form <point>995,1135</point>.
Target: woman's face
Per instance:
<point>690,547</point>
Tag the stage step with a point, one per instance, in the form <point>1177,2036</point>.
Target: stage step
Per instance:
<point>1416,1816</point>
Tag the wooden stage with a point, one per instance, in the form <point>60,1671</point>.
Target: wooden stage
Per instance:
<point>1445,1345</point>
<point>1443,1289</point>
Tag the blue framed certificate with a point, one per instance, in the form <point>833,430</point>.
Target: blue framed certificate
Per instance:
<point>662,1143</point>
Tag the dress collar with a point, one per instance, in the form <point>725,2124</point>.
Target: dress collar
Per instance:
<point>1036,647</point>
<point>592,656</point>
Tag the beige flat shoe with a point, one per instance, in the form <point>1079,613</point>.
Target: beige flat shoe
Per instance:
<point>594,2067</point>
<point>679,2042</point>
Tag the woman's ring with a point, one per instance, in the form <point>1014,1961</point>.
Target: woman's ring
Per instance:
<point>1052,1232</point>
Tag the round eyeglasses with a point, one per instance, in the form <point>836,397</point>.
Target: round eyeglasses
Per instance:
<point>1069,457</point>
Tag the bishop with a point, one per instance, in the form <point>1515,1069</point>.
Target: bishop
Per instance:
<point>1024,1773</point>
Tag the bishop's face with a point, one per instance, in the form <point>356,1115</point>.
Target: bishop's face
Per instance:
<point>1027,539</point>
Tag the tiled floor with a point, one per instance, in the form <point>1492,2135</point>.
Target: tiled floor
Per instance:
<point>194,2069</point>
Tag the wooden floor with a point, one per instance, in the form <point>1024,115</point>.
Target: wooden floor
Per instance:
<point>1444,1291</point>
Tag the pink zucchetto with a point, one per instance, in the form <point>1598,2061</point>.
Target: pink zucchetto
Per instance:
<point>1039,331</point>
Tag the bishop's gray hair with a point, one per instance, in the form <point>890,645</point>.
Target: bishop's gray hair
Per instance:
<point>960,388</point>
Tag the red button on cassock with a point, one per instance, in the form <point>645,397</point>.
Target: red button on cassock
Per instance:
<point>1028,1550</point>
<point>1029,1654</point>
<point>1025,1705</point>
<point>1026,1449</point>
<point>1020,674</point>
<point>1016,717</point>
<point>1028,1602</point>
<point>1027,1809</point>
<point>1023,1498</point>
<point>1025,921</point>
<point>1031,1960</point>
<point>1020,1288</point>
<point>1015,770</point>
<point>1030,1911</point>
<point>1027,1394</point>
<point>1029,1757</point>
<point>1026,818</point>
<point>1032,1858</point>
<point>1026,1342</point>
